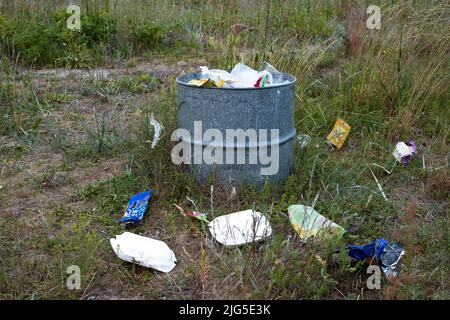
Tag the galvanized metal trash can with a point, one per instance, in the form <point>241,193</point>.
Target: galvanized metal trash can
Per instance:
<point>247,110</point>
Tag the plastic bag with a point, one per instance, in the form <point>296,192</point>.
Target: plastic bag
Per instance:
<point>307,222</point>
<point>339,134</point>
<point>246,77</point>
<point>404,151</point>
<point>387,255</point>
<point>136,207</point>
<point>241,76</point>
<point>217,75</point>
<point>144,251</point>
<point>277,76</point>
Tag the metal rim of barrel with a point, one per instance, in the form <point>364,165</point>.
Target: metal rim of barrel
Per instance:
<point>286,76</point>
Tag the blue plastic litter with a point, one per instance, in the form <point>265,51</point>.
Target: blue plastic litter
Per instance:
<point>387,254</point>
<point>136,207</point>
<point>369,250</point>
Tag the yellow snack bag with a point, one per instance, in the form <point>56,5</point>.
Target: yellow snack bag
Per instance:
<point>199,82</point>
<point>220,83</point>
<point>205,82</point>
<point>337,136</point>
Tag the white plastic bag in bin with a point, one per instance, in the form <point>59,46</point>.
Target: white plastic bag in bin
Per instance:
<point>144,251</point>
<point>247,77</point>
<point>239,228</point>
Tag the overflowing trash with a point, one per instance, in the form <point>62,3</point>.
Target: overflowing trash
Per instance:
<point>307,222</point>
<point>147,252</point>
<point>339,134</point>
<point>136,207</point>
<point>239,228</point>
<point>386,255</point>
<point>403,152</point>
<point>241,76</point>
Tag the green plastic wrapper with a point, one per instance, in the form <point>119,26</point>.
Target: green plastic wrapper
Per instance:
<point>307,222</point>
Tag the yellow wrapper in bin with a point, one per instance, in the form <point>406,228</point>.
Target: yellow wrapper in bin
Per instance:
<point>337,136</point>
<point>199,82</point>
<point>205,82</point>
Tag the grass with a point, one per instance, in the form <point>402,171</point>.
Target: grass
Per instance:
<point>389,85</point>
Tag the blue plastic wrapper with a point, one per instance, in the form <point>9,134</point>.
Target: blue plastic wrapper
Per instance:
<point>369,250</point>
<point>136,207</point>
<point>387,255</point>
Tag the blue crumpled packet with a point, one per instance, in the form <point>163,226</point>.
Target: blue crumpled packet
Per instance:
<point>369,250</point>
<point>136,207</point>
<point>387,255</point>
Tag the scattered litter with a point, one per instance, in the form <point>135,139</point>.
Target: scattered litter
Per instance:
<point>144,251</point>
<point>404,151</point>
<point>387,255</point>
<point>303,140</point>
<point>198,215</point>
<point>239,228</point>
<point>157,127</point>
<point>390,258</point>
<point>369,250</point>
<point>241,76</point>
<point>337,136</point>
<point>307,222</point>
<point>379,185</point>
<point>136,207</point>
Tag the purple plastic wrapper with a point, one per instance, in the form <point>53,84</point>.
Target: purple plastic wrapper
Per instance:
<point>406,159</point>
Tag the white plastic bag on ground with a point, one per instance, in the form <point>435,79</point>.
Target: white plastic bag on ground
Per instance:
<point>239,228</point>
<point>144,251</point>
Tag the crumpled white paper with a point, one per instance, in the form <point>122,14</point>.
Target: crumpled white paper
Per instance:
<point>158,127</point>
<point>239,228</point>
<point>402,150</point>
<point>144,251</point>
